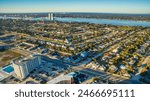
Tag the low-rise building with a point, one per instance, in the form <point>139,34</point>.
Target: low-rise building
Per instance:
<point>62,79</point>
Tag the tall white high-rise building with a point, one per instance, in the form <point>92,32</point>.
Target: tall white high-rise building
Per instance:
<point>50,16</point>
<point>23,66</point>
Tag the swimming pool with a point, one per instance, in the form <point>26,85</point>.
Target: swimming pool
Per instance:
<point>8,69</point>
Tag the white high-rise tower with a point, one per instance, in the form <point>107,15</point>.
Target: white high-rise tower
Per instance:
<point>50,16</point>
<point>24,65</point>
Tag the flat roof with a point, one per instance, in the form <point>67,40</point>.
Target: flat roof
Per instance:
<point>59,78</point>
<point>23,59</point>
<point>3,75</point>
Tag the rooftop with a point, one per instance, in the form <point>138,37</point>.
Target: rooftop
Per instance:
<point>23,59</point>
<point>3,75</point>
<point>59,79</point>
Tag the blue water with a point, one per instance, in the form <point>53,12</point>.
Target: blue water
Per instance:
<point>8,69</point>
<point>93,20</point>
<point>107,21</point>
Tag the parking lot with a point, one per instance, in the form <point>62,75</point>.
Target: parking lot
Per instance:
<point>44,73</point>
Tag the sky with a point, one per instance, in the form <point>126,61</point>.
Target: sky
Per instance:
<point>101,6</point>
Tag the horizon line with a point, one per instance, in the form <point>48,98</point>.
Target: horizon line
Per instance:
<point>71,12</point>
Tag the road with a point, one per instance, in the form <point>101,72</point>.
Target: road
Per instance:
<point>105,76</point>
<point>61,63</point>
<point>92,73</point>
<point>23,52</point>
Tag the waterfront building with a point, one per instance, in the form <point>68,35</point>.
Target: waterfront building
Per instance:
<point>50,16</point>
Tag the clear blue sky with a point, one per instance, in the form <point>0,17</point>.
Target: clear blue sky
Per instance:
<point>105,6</point>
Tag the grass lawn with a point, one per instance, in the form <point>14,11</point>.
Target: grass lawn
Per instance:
<point>7,56</point>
